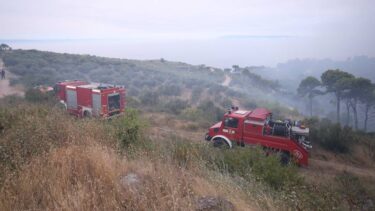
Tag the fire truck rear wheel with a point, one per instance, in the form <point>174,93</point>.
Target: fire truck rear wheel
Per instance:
<point>220,143</point>
<point>86,114</point>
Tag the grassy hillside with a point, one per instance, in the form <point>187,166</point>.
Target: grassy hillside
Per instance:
<point>153,158</point>
<point>157,85</point>
<point>50,160</point>
<point>40,67</point>
<point>53,161</point>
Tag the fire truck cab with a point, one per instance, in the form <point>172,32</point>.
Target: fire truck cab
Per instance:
<point>84,99</point>
<point>256,127</point>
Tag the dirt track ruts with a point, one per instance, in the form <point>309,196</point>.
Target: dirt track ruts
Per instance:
<point>5,88</point>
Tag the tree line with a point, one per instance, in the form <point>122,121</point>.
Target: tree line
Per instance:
<point>347,89</point>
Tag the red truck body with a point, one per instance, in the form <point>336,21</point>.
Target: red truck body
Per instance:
<point>91,99</point>
<point>257,128</point>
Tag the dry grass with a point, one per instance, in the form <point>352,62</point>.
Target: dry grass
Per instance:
<point>91,178</point>
<point>51,161</point>
<point>162,125</point>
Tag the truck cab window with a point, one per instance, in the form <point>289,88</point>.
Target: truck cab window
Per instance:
<point>114,102</point>
<point>231,122</point>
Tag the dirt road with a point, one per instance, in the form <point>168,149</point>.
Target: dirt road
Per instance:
<point>227,80</point>
<point>333,167</point>
<point>5,88</point>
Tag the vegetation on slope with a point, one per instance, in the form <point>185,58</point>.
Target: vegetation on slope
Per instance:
<point>155,85</point>
<point>94,164</point>
<point>53,161</point>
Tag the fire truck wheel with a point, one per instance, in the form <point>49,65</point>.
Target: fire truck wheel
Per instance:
<point>284,158</point>
<point>62,105</point>
<point>220,143</point>
<point>207,137</point>
<point>86,114</point>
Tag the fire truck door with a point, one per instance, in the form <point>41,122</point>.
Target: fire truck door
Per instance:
<point>96,104</point>
<point>230,128</point>
<point>71,99</point>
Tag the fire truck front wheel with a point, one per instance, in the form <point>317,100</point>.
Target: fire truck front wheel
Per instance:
<point>220,143</point>
<point>207,137</point>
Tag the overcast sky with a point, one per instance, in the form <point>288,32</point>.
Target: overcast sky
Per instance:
<point>216,32</point>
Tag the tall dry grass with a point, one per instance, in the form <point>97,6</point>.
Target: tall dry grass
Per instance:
<point>94,178</point>
<point>29,130</point>
<point>51,161</point>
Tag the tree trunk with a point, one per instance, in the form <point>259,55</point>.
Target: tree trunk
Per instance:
<point>355,117</point>
<point>347,113</point>
<point>311,106</point>
<point>338,108</point>
<point>355,114</point>
<point>366,117</point>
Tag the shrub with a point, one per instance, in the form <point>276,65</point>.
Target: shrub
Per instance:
<point>244,162</point>
<point>36,96</point>
<point>149,98</point>
<point>210,111</point>
<point>170,90</point>
<point>128,128</point>
<point>331,136</point>
<point>175,106</point>
<point>249,162</point>
<point>192,114</point>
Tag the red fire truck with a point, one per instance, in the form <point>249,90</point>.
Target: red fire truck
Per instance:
<point>84,99</point>
<point>256,127</point>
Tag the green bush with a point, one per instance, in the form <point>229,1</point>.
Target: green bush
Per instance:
<point>210,111</point>
<point>170,90</point>
<point>175,106</point>
<point>149,98</point>
<point>128,128</point>
<point>249,162</point>
<point>331,136</point>
<point>36,96</point>
<point>192,114</point>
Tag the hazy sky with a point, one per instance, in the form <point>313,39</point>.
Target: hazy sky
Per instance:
<point>214,32</point>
